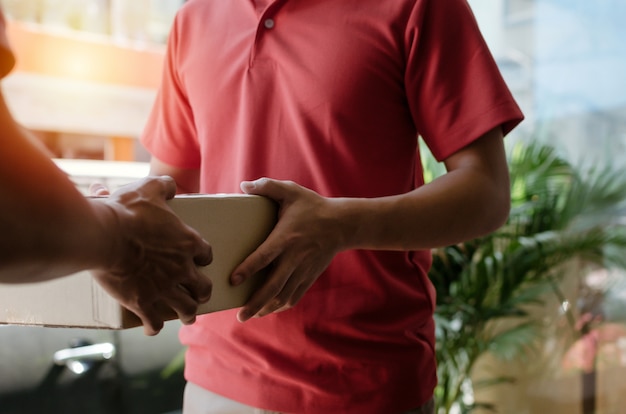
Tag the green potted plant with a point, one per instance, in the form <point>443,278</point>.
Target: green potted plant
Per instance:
<point>487,288</point>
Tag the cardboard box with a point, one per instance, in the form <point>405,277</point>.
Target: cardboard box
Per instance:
<point>233,224</point>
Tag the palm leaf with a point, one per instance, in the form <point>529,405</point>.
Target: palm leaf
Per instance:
<point>559,212</point>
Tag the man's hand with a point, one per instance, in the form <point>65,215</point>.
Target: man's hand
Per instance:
<point>154,255</point>
<point>299,249</point>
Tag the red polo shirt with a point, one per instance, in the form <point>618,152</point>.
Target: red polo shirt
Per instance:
<point>330,94</point>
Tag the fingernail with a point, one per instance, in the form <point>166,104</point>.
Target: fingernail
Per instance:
<point>242,316</point>
<point>247,185</point>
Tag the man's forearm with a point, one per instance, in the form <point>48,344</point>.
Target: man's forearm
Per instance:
<point>471,200</point>
<point>456,207</point>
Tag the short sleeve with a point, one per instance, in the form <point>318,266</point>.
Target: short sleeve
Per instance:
<point>7,59</point>
<point>455,89</point>
<point>170,133</point>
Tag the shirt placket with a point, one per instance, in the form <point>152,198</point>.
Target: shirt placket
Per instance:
<point>266,24</point>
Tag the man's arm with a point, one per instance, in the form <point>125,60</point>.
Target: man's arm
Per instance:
<point>50,230</point>
<point>471,200</point>
<point>187,180</point>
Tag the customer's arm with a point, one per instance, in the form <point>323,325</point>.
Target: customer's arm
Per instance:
<point>50,230</point>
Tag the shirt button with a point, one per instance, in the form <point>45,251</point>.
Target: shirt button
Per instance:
<point>269,23</point>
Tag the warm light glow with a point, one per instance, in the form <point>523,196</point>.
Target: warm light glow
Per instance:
<point>84,57</point>
<point>77,67</point>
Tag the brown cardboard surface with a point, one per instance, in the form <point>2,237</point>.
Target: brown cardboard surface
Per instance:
<point>233,224</point>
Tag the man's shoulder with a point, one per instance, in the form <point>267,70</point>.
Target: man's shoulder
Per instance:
<point>192,7</point>
<point>201,14</point>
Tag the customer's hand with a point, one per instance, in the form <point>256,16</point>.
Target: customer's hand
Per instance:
<point>154,255</point>
<point>299,249</point>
